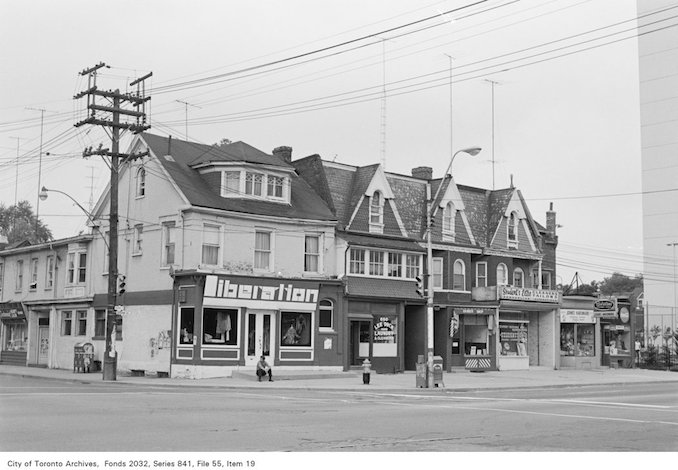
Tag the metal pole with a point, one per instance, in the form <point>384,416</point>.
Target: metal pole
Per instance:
<point>429,289</point>
<point>110,361</point>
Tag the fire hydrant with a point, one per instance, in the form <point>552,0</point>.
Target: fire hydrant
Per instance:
<point>367,370</point>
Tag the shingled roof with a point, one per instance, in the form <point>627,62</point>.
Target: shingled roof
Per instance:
<point>178,157</point>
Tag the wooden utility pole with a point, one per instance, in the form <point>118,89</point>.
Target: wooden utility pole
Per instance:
<point>108,115</point>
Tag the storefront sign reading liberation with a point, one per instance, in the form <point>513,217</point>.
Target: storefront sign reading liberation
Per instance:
<point>264,291</point>
<point>530,295</point>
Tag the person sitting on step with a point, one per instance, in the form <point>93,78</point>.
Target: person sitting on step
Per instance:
<point>263,368</point>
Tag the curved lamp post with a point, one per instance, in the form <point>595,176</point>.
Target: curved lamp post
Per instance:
<point>430,214</point>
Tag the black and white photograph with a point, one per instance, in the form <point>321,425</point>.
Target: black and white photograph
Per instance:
<point>300,234</point>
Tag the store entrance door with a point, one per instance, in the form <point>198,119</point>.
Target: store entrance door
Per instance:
<point>43,342</point>
<point>260,325</point>
<point>360,341</point>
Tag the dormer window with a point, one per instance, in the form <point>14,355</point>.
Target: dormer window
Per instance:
<point>275,186</point>
<point>141,182</point>
<point>513,230</point>
<point>376,213</point>
<point>241,183</point>
<point>448,222</point>
<point>253,183</point>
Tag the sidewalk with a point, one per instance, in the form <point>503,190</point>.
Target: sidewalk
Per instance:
<point>453,381</point>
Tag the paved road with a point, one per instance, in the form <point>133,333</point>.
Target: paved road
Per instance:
<point>43,415</point>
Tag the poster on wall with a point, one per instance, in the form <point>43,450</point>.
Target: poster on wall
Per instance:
<point>384,336</point>
<point>513,339</point>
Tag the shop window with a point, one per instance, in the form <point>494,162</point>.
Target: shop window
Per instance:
<point>82,322</point>
<point>567,339</point>
<point>211,245</point>
<point>502,274</point>
<point>357,264</point>
<point>100,323</point>
<point>295,329</point>
<point>262,251</point>
<point>219,326</point>
<point>437,274</point>
<point>481,274</point>
<point>513,338</point>
<point>395,264</point>
<point>617,342</point>
<point>459,275</point>
<point>66,323</point>
<point>385,336</point>
<point>16,337</point>
<point>326,314</point>
<point>518,278</point>
<point>376,263</point>
<point>312,254</point>
<point>186,329</point>
<point>476,335</point>
<point>577,340</point>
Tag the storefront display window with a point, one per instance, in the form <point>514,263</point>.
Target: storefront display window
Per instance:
<point>513,338</point>
<point>219,326</point>
<point>567,340</point>
<point>385,334</point>
<point>186,330</point>
<point>618,342</point>
<point>476,335</point>
<point>295,329</point>
<point>586,340</point>
<point>17,337</point>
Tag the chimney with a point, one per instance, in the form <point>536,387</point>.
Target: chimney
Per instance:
<point>284,153</point>
<point>423,172</point>
<point>551,220</point>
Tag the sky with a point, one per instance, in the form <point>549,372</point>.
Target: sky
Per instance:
<point>548,89</point>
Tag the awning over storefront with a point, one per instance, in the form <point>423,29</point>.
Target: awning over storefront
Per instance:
<point>521,306</point>
<point>12,312</point>
<point>383,288</point>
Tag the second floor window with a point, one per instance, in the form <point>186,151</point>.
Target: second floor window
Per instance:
<point>34,273</point>
<point>49,273</point>
<point>19,274</point>
<point>502,274</point>
<point>168,243</point>
<point>395,264</point>
<point>231,183</point>
<point>411,266</point>
<point>376,263</point>
<point>138,239</point>
<point>77,268</point>
<point>262,250</point>
<point>357,265</point>
<point>459,275</point>
<point>312,254</point>
<point>437,274</point>
<point>481,274</point>
<point>518,278</point>
<point>210,245</point>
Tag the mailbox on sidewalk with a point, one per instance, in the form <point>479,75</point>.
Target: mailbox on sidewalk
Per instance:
<point>438,371</point>
<point>83,357</point>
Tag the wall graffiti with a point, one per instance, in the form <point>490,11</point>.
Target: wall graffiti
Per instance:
<point>162,341</point>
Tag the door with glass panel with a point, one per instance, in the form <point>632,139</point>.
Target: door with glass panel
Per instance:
<point>260,328</point>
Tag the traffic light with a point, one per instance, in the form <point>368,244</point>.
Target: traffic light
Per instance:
<point>122,284</point>
<point>420,285</point>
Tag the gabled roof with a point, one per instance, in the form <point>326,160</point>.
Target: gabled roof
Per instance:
<point>304,202</point>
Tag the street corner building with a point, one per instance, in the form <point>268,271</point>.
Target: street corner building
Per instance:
<point>228,253</point>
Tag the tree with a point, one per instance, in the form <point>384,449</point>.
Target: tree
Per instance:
<point>223,142</point>
<point>18,223</point>
<point>619,283</point>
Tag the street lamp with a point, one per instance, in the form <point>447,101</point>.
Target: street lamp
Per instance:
<point>430,214</point>
<point>110,358</point>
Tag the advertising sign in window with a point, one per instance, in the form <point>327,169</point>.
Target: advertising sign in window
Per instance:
<point>513,339</point>
<point>384,341</point>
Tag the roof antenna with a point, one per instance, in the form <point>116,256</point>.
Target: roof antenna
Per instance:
<point>169,146</point>
<point>512,181</point>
